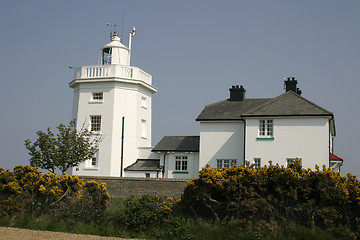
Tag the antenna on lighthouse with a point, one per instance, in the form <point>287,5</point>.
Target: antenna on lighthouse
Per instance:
<point>131,34</point>
<point>112,33</point>
<point>122,27</point>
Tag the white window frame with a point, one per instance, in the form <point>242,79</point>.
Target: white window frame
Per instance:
<point>225,163</point>
<point>266,128</point>
<point>94,162</point>
<point>97,96</point>
<point>257,162</point>
<point>181,163</point>
<point>95,123</point>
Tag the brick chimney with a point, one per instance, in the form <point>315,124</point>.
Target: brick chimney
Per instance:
<point>291,85</point>
<point>237,93</point>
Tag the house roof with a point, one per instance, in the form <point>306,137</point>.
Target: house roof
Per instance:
<point>287,104</point>
<point>144,165</point>
<point>333,157</point>
<point>178,144</point>
<point>230,110</point>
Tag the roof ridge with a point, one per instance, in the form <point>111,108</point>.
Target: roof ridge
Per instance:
<point>260,106</point>
<point>212,104</point>
<point>287,93</point>
<point>226,100</point>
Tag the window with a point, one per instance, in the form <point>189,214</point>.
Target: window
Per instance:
<point>95,123</point>
<point>143,102</point>
<point>181,163</point>
<point>257,162</point>
<point>225,163</point>
<point>93,162</point>
<point>97,96</point>
<point>106,56</point>
<point>143,128</point>
<point>266,128</point>
<point>147,175</point>
<point>291,160</point>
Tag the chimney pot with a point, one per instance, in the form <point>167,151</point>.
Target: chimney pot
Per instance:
<point>291,85</point>
<point>237,93</point>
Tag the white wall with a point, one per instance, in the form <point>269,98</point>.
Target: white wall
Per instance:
<point>120,99</point>
<point>145,153</point>
<point>305,138</point>
<point>87,107</point>
<point>170,171</point>
<point>142,174</point>
<point>221,140</point>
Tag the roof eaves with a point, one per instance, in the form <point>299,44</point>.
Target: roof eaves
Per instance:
<point>289,115</point>
<point>170,151</point>
<point>218,119</point>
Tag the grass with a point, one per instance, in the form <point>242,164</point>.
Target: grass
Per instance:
<point>173,228</point>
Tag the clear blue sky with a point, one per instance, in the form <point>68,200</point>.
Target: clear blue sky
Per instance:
<point>195,51</point>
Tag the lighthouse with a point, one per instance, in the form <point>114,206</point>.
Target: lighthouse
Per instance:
<point>113,100</point>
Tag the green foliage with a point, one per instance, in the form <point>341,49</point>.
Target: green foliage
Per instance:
<point>272,195</point>
<point>67,149</point>
<point>95,200</point>
<point>256,204</point>
<point>170,227</point>
<point>26,191</point>
<point>139,213</point>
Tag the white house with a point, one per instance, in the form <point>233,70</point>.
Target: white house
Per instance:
<point>179,156</point>
<point>258,130</point>
<point>114,99</point>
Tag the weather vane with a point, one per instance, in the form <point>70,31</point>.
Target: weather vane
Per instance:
<point>112,33</point>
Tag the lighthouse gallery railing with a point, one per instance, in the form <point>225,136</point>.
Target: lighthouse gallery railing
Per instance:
<point>108,71</point>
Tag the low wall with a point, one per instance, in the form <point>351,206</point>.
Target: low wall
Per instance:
<point>125,187</point>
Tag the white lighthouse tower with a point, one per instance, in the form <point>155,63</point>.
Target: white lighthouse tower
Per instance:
<point>114,99</point>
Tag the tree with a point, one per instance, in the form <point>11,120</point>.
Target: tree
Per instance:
<point>67,149</point>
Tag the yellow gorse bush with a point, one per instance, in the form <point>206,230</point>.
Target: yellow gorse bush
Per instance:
<point>246,192</point>
<point>27,190</point>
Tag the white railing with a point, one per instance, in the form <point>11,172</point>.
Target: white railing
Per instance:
<point>104,71</point>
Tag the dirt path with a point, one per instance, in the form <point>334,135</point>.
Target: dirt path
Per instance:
<point>25,234</point>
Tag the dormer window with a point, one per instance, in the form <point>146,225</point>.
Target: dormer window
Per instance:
<point>106,56</point>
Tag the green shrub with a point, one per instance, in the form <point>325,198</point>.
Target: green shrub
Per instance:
<point>26,191</point>
<point>263,198</point>
<point>140,213</point>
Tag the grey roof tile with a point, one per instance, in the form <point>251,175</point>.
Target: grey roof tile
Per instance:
<point>144,165</point>
<point>230,110</point>
<point>178,144</point>
<point>287,104</point>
